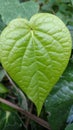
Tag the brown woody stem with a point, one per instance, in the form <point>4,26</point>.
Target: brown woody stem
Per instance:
<point>27,114</point>
<point>28,120</point>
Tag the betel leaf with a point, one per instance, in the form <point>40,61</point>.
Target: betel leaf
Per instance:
<point>70,116</point>
<point>69,127</point>
<point>2,25</point>
<point>35,54</point>
<point>60,100</point>
<point>10,9</point>
<point>71,31</point>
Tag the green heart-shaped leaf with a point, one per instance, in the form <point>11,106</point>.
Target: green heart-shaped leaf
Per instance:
<point>35,54</point>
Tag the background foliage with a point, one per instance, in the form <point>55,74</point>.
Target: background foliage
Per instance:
<point>58,108</point>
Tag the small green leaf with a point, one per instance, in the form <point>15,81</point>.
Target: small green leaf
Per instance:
<point>69,127</point>
<point>2,74</point>
<point>3,89</point>
<point>10,9</point>
<point>10,121</point>
<point>35,54</point>
<point>72,2</point>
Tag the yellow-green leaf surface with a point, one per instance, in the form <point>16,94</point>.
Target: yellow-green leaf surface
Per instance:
<point>3,89</point>
<point>35,54</point>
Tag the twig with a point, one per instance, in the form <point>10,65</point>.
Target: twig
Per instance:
<point>14,85</point>
<point>28,120</point>
<point>27,114</point>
